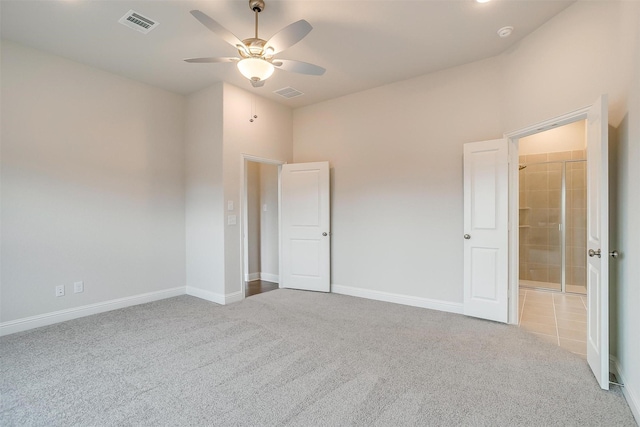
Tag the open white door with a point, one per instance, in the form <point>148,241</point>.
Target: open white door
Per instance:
<point>486,187</point>
<point>598,241</point>
<point>305,231</point>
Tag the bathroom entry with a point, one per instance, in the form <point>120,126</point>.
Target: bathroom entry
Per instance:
<point>261,262</point>
<point>553,210</point>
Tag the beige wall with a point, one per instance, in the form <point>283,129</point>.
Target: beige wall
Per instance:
<point>396,159</point>
<point>204,194</point>
<point>569,62</point>
<point>396,154</point>
<point>569,137</point>
<point>253,217</point>
<point>269,236</point>
<point>627,240</point>
<point>269,136</point>
<point>92,185</point>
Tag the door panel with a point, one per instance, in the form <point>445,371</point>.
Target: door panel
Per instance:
<point>484,273</point>
<point>305,226</point>
<point>486,229</point>
<point>598,241</point>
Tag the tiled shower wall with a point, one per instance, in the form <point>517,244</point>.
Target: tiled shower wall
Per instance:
<point>541,212</point>
<point>576,247</point>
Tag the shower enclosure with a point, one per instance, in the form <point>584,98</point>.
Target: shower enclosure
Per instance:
<point>553,222</point>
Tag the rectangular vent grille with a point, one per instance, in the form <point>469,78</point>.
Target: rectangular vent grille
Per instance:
<point>288,92</point>
<point>138,22</point>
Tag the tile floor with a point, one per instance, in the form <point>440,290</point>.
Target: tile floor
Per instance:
<point>555,317</point>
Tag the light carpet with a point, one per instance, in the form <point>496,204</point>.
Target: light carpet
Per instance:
<point>294,358</point>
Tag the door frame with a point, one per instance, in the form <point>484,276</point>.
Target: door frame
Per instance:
<point>513,139</point>
<point>244,223</point>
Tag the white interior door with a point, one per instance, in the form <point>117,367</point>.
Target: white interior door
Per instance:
<point>598,241</point>
<point>486,185</point>
<point>305,227</point>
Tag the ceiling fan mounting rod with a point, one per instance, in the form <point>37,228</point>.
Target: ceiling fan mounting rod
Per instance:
<point>257,6</point>
<point>257,23</point>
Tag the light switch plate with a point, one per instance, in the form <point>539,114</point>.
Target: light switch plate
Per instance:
<point>230,205</point>
<point>264,207</point>
<point>78,287</point>
<point>231,220</point>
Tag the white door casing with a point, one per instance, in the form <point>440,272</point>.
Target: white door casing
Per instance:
<point>486,184</point>
<point>598,241</point>
<point>305,226</point>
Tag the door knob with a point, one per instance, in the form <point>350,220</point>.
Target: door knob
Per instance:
<point>593,253</point>
<point>614,254</point>
<point>324,234</point>
<point>466,236</point>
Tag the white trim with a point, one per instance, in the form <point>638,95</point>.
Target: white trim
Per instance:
<point>630,394</point>
<point>46,319</point>
<point>450,307</point>
<point>514,233</point>
<point>544,125</point>
<point>233,297</point>
<point>205,295</point>
<point>221,299</point>
<point>252,277</point>
<point>268,277</point>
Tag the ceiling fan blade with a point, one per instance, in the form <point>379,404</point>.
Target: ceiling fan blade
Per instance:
<point>210,60</point>
<point>287,37</point>
<point>217,29</point>
<point>299,67</point>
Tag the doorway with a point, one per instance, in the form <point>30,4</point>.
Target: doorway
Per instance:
<point>261,225</point>
<point>552,245</point>
<point>552,210</point>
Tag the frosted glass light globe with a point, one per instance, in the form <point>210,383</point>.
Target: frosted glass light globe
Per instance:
<point>255,69</point>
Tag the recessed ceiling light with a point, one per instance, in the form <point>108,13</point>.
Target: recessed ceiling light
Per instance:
<point>505,31</point>
<point>483,1</point>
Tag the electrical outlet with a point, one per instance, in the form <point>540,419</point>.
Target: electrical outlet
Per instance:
<point>60,291</point>
<point>78,287</point>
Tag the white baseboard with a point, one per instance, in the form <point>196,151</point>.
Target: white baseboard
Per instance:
<point>252,277</point>
<point>205,295</point>
<point>233,297</point>
<point>268,277</point>
<point>46,319</point>
<point>450,307</point>
<point>221,299</point>
<point>632,395</point>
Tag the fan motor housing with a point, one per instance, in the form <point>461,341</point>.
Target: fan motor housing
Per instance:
<point>256,5</point>
<point>255,46</point>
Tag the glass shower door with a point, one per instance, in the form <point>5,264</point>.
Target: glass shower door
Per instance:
<point>541,236</point>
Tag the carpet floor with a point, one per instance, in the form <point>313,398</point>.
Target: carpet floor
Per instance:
<point>294,358</point>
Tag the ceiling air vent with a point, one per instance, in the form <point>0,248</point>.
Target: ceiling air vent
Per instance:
<point>134,20</point>
<point>288,92</point>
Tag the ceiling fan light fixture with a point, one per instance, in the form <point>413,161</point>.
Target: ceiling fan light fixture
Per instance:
<point>255,69</point>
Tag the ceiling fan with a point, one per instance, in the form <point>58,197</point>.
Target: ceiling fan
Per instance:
<point>256,61</point>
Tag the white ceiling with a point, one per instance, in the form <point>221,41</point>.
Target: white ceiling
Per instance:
<point>362,44</point>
